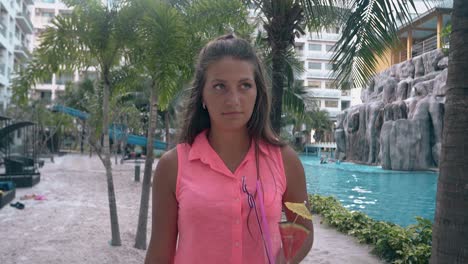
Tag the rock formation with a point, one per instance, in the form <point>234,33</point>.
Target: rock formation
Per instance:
<point>399,125</point>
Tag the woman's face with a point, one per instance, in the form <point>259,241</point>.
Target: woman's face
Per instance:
<point>229,93</point>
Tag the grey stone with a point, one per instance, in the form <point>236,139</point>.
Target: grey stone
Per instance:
<point>443,63</point>
<point>356,142</point>
<point>395,111</point>
<point>431,60</point>
<point>402,89</point>
<point>406,145</point>
<point>418,67</point>
<point>389,87</point>
<point>374,125</point>
<point>340,138</point>
<point>440,86</point>
<point>436,111</point>
<point>422,88</point>
<point>400,122</point>
<point>406,70</point>
<point>340,119</point>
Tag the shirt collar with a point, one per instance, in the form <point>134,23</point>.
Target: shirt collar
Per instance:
<point>202,150</point>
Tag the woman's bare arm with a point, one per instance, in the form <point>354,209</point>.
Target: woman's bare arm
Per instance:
<point>164,231</point>
<point>296,192</point>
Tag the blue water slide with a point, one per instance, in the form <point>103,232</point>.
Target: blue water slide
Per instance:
<point>115,131</point>
<point>70,111</point>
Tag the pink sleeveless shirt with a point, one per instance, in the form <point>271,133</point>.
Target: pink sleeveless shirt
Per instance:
<point>215,222</point>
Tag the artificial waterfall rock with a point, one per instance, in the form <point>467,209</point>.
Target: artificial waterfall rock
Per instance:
<point>399,125</point>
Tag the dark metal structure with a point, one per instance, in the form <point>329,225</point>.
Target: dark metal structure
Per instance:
<point>21,163</point>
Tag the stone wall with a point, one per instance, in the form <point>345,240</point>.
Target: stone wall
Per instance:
<point>399,125</point>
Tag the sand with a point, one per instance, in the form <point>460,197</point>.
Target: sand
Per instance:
<point>72,225</point>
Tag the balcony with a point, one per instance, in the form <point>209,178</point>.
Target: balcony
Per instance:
<point>318,55</point>
<point>324,36</point>
<point>22,52</point>
<point>424,46</point>
<point>24,22</point>
<point>3,29</point>
<point>3,75</point>
<point>345,93</point>
<point>324,93</point>
<point>321,74</point>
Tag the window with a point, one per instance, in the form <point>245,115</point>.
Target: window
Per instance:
<point>331,103</point>
<point>314,65</point>
<point>315,47</point>
<point>345,104</point>
<point>328,66</point>
<point>329,48</point>
<point>329,85</point>
<point>313,84</point>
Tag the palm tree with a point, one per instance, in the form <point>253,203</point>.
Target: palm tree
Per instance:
<point>169,36</point>
<point>450,229</point>
<point>92,35</point>
<point>163,50</point>
<point>369,31</point>
<point>283,21</point>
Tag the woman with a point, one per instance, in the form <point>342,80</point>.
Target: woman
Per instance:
<point>218,196</point>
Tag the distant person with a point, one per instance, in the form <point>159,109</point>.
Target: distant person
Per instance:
<point>324,159</point>
<point>218,196</point>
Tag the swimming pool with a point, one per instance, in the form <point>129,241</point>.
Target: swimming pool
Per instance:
<point>392,196</point>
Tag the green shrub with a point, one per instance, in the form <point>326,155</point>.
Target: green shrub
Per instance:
<point>391,242</point>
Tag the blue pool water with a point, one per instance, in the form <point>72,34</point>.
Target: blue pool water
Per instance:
<point>381,194</point>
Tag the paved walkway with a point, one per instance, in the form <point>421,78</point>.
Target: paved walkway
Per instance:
<point>72,224</point>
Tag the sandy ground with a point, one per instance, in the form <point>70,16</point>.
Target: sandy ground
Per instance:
<point>72,225</point>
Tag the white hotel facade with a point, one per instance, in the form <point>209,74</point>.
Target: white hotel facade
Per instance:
<point>43,12</point>
<point>15,38</point>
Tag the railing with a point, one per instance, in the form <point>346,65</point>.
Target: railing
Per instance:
<point>323,145</point>
<point>2,69</point>
<point>299,53</point>
<point>319,74</point>
<point>318,55</point>
<point>323,36</point>
<point>3,30</point>
<point>345,93</point>
<point>424,46</point>
<point>22,49</point>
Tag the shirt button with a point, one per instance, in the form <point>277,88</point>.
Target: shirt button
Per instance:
<point>237,244</point>
<point>237,222</point>
<point>237,199</point>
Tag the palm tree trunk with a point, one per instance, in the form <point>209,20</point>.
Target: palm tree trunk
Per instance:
<point>168,134</point>
<point>277,88</point>
<point>108,165</point>
<point>140,240</point>
<point>450,229</point>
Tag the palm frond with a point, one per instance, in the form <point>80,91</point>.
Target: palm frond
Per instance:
<point>370,30</point>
